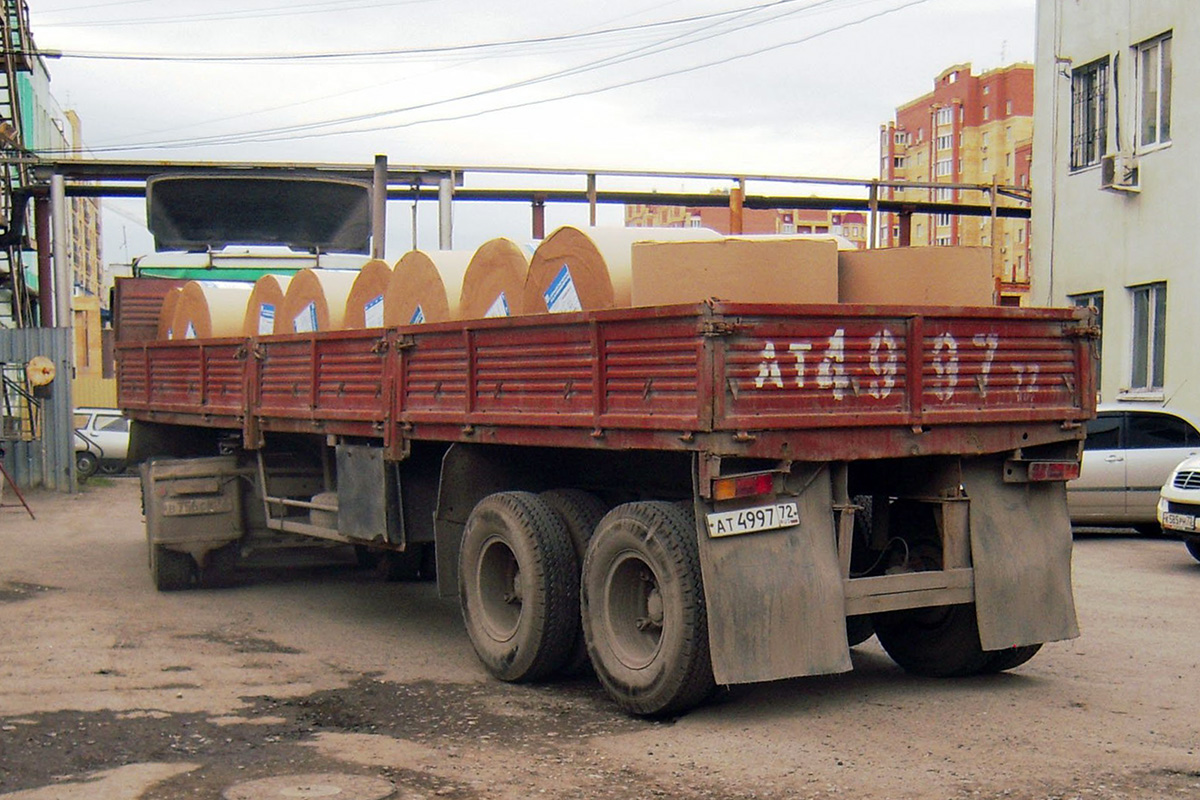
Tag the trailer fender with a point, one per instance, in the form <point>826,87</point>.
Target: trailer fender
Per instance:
<point>776,603</point>
<point>1021,552</point>
<point>470,473</point>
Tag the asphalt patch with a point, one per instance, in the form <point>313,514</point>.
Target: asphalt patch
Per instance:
<point>13,591</point>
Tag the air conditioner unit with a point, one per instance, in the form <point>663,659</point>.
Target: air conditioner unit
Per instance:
<point>1119,173</point>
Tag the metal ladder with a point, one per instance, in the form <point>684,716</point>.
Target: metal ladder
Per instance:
<point>14,171</point>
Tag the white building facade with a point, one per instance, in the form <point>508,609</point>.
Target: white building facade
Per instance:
<point>1116,163</point>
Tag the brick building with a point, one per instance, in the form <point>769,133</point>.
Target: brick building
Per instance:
<point>851,225</point>
<point>971,129</point>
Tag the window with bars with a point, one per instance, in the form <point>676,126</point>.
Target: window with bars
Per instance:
<point>1089,113</point>
<point>1095,301</point>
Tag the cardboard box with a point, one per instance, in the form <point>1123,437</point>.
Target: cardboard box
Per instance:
<point>745,269</point>
<point>940,276</point>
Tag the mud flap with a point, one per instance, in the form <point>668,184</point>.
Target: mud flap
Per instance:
<point>776,606</point>
<point>1021,552</point>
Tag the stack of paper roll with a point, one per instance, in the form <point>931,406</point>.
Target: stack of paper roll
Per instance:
<point>364,305</point>
<point>315,301</point>
<point>582,269</point>
<point>166,313</point>
<point>425,287</point>
<point>266,300</point>
<point>495,280</point>
<point>210,309</point>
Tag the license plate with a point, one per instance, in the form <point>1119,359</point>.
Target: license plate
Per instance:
<point>192,506</point>
<point>1179,522</point>
<point>752,520</point>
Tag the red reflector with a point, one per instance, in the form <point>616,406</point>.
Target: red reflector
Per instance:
<point>743,486</point>
<point>1053,470</point>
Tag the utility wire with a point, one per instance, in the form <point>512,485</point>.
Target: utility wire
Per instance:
<point>306,131</point>
<point>252,136</point>
<point>243,14</point>
<point>414,51</point>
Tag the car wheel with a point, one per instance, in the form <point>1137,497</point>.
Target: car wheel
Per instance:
<point>86,464</point>
<point>1193,547</point>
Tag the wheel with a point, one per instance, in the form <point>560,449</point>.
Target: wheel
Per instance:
<point>518,586</point>
<point>112,467</point>
<point>170,569</point>
<point>859,629</point>
<point>643,609</point>
<point>581,512</point>
<point>86,464</point>
<point>1011,658</point>
<point>939,642</point>
<point>219,565</point>
<point>1193,547</point>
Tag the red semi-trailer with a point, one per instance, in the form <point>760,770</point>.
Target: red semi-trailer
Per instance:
<point>685,496</point>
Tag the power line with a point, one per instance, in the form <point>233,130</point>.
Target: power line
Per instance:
<point>641,52</point>
<point>306,131</point>
<point>224,16</point>
<point>414,51</point>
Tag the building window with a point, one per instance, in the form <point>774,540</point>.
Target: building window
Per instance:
<point>945,116</point>
<point>788,227</point>
<point>987,90</point>
<point>945,166</point>
<point>695,222</point>
<point>898,162</point>
<point>945,142</point>
<point>943,220</point>
<point>1089,113</point>
<point>1154,91</point>
<point>1095,301</point>
<point>987,112</point>
<point>986,165</point>
<point>1149,335</point>
<point>1008,107</point>
<point>943,241</point>
<point>945,195</point>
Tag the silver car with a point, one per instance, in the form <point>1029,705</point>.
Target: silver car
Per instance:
<point>1129,453</point>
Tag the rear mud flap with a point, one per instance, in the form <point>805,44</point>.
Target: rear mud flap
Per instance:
<point>1021,552</point>
<point>776,606</point>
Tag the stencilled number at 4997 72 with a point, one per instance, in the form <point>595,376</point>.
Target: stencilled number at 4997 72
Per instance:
<point>797,362</point>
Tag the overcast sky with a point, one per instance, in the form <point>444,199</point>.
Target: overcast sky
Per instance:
<point>792,87</point>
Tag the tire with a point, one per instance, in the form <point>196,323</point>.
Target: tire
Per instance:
<point>518,586</point>
<point>1011,658</point>
<point>86,464</point>
<point>1193,547</point>
<point>938,642</point>
<point>644,616</point>
<point>171,570</point>
<point>219,566</point>
<point>859,629</point>
<point>112,467</point>
<point>581,512</point>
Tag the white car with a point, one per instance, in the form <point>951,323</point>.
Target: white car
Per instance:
<point>1179,504</point>
<point>101,440</point>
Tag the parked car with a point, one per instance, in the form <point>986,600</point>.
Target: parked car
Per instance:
<point>1130,451</point>
<point>1179,504</point>
<point>101,440</point>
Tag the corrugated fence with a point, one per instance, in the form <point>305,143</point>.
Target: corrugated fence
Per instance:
<point>48,459</point>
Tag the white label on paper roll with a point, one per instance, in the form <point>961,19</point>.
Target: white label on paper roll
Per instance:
<point>373,313</point>
<point>418,316</point>
<point>498,308</point>
<point>190,333</point>
<point>561,296</point>
<point>266,319</point>
<point>306,320</point>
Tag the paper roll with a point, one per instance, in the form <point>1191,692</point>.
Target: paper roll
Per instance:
<point>494,285</point>
<point>166,313</point>
<point>266,300</point>
<point>210,309</point>
<point>315,301</point>
<point>364,305</point>
<point>425,287</point>
<point>582,269</point>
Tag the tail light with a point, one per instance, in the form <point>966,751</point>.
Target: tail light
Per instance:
<point>1053,470</point>
<point>735,486</point>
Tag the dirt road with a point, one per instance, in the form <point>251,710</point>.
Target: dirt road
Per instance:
<point>109,689</point>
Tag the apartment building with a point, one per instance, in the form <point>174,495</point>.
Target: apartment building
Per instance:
<point>970,129</point>
<point>1116,161</point>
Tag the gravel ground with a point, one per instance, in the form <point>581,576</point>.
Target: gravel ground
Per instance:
<point>109,689</point>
